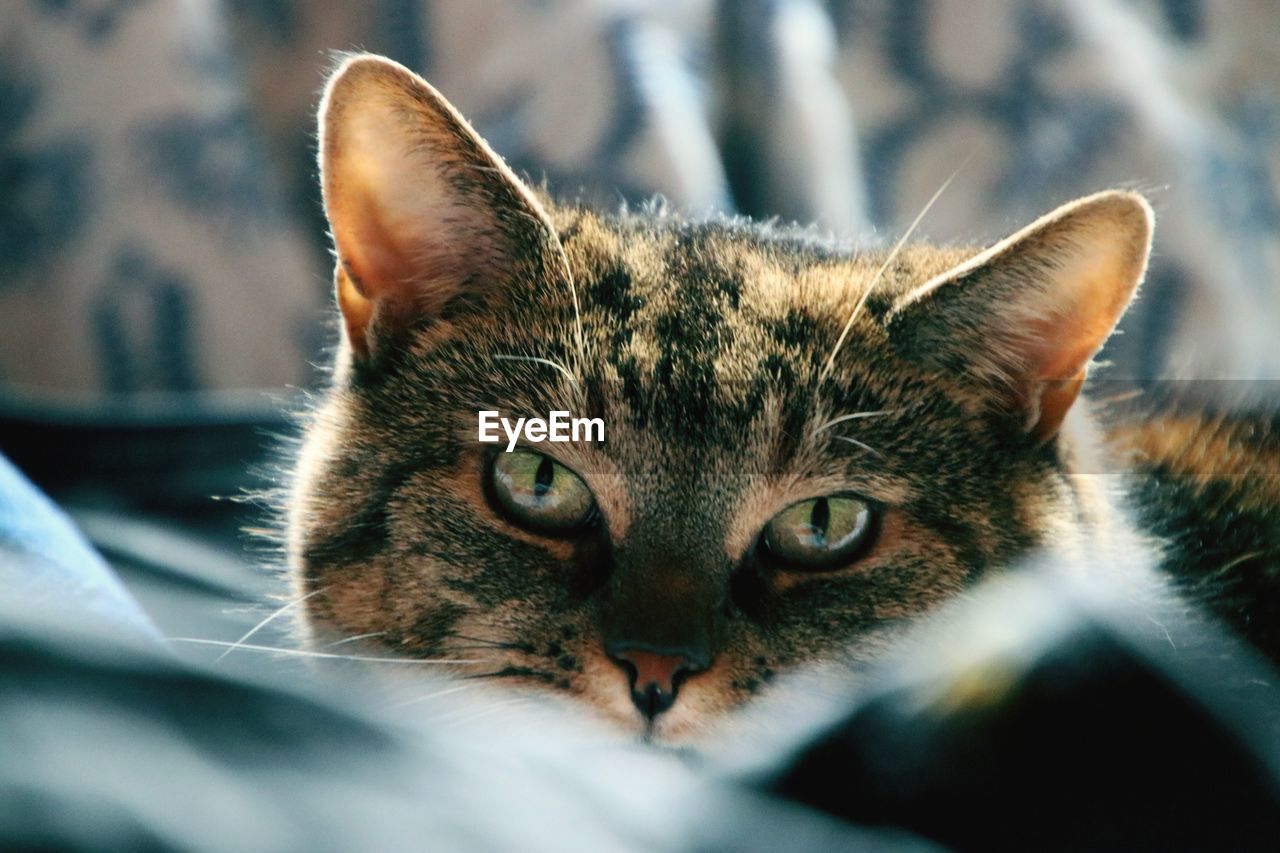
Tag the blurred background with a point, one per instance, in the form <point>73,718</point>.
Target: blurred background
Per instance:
<point>164,269</point>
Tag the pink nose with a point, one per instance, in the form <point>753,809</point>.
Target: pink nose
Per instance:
<point>655,677</point>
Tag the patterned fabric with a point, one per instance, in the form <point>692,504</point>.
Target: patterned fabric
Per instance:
<point>160,229</point>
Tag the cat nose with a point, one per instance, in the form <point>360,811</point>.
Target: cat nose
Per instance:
<point>656,676</point>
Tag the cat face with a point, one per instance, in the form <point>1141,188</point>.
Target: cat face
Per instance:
<point>803,447</point>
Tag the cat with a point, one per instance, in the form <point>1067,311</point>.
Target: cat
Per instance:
<point>806,449</point>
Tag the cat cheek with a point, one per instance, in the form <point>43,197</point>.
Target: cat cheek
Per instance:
<point>343,602</point>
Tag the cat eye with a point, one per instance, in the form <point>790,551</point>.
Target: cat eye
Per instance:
<point>820,533</point>
<point>539,493</point>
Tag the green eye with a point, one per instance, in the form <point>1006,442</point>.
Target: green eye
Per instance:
<point>820,533</point>
<point>539,493</point>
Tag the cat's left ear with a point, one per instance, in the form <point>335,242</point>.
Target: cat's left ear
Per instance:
<point>427,220</point>
<point>1026,316</point>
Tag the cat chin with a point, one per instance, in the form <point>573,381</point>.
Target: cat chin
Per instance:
<point>691,721</point>
<point>707,720</point>
<point>602,692</point>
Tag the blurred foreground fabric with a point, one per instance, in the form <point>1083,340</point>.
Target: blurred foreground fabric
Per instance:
<point>1042,712</point>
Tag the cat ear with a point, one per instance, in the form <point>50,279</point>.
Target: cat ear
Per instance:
<point>1027,315</point>
<point>425,216</point>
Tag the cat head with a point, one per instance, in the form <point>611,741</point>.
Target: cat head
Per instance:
<point>804,447</point>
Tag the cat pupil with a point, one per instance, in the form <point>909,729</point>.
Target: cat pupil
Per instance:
<point>542,478</point>
<point>819,518</point>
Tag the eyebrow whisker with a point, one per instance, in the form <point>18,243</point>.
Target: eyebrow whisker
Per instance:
<point>851,417</point>
<point>875,279</point>
<point>857,443</point>
<point>427,697</point>
<point>518,647</point>
<point>540,360</point>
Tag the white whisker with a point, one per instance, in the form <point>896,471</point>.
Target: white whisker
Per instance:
<point>1243,558</point>
<point>467,715</point>
<point>309,654</point>
<point>855,441</point>
<point>538,360</point>
<point>357,637</point>
<point>577,311</point>
<point>852,417</point>
<point>494,643</point>
<point>875,279</point>
<point>427,697</point>
<point>256,628</point>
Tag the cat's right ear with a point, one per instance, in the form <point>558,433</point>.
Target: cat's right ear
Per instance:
<point>1024,318</point>
<point>427,220</point>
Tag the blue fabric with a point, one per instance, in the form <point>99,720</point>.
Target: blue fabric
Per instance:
<point>47,567</point>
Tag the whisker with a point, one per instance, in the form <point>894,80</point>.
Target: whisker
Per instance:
<point>355,638</point>
<point>271,617</point>
<point>435,694</point>
<point>514,672</point>
<point>1164,630</point>
<point>577,312</point>
<point>452,647</point>
<point>459,716</point>
<point>309,654</point>
<point>875,279</point>
<point>519,647</point>
<point>861,444</point>
<point>1243,558</point>
<point>855,416</point>
<point>537,360</point>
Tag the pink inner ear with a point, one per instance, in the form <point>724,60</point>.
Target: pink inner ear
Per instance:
<point>395,233</point>
<point>1092,291</point>
<point>391,277</point>
<point>1094,288</point>
<point>419,206</point>
<point>371,255</point>
<point>1061,349</point>
<point>414,262</point>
